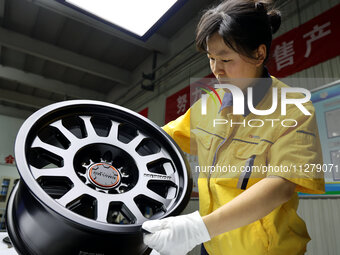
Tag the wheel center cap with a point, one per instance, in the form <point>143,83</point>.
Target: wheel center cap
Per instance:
<point>104,175</point>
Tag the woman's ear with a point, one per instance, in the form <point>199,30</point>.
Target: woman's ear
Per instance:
<point>261,54</point>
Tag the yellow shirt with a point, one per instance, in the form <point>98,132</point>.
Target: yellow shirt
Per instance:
<point>274,149</point>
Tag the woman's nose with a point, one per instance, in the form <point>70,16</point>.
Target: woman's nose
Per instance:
<point>218,68</point>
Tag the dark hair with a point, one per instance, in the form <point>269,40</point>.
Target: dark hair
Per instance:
<point>243,25</point>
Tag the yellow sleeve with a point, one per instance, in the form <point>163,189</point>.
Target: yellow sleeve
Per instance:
<point>297,153</point>
<point>179,130</point>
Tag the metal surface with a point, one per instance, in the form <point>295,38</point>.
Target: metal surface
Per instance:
<point>93,172</point>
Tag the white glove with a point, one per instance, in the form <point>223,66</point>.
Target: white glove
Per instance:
<point>176,235</point>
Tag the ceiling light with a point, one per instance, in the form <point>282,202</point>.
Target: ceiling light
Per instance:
<point>135,16</point>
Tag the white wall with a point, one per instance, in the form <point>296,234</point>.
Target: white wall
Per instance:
<point>9,128</point>
<point>323,223</point>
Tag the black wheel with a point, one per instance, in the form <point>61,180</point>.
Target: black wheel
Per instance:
<point>91,174</point>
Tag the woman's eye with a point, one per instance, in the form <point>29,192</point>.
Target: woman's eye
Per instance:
<point>223,60</point>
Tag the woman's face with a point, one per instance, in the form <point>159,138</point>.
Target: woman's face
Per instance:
<point>229,66</point>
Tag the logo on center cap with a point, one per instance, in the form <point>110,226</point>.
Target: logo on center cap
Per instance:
<point>104,175</point>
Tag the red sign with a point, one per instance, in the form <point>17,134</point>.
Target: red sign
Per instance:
<point>307,45</point>
<point>178,103</point>
<point>144,112</point>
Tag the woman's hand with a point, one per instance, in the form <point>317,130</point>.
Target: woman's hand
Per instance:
<point>176,235</point>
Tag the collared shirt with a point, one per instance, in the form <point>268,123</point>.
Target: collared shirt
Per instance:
<point>239,151</point>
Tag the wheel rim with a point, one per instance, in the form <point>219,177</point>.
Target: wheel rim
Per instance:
<point>101,165</point>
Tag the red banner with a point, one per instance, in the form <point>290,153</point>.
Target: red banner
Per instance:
<point>144,112</point>
<point>307,45</point>
<point>178,103</point>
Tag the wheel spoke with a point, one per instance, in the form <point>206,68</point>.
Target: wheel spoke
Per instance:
<point>70,196</point>
<point>136,141</point>
<point>169,170</point>
<point>102,209</point>
<point>153,157</point>
<point>37,143</point>
<point>147,176</point>
<point>159,177</point>
<point>113,134</point>
<point>88,126</point>
<point>153,195</point>
<point>57,172</point>
<point>68,134</point>
<point>133,208</point>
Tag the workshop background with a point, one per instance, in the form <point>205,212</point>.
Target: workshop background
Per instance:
<point>50,53</point>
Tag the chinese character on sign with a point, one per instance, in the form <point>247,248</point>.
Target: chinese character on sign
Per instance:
<point>196,94</point>
<point>9,159</point>
<point>314,35</point>
<point>283,55</point>
<point>181,103</point>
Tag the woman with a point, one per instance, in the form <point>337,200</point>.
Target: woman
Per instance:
<point>243,211</point>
